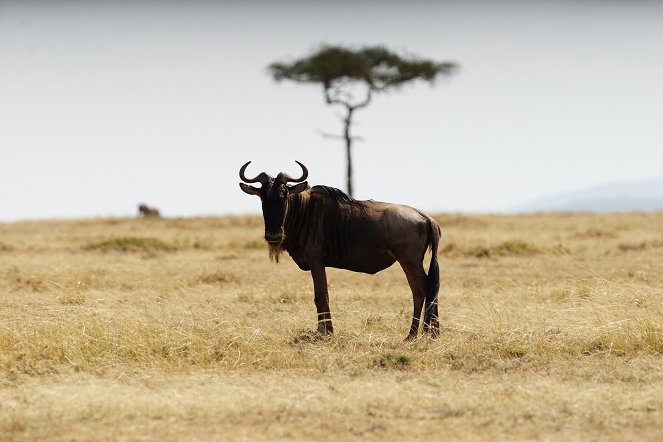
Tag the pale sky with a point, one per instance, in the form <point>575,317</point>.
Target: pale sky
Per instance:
<point>107,104</point>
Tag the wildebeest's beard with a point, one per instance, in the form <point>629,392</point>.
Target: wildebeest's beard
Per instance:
<point>275,250</point>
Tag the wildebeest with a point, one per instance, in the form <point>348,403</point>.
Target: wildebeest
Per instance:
<point>323,227</point>
<point>147,212</point>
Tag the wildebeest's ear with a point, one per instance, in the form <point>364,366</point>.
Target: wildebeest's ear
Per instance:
<point>297,188</point>
<point>249,189</point>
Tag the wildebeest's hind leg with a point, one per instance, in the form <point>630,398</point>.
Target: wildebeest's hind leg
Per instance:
<point>321,299</point>
<point>415,278</point>
<point>431,322</point>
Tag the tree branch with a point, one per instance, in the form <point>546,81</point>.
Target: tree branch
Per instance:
<point>339,137</point>
<point>335,99</point>
<point>366,102</point>
<point>328,135</point>
<point>333,96</point>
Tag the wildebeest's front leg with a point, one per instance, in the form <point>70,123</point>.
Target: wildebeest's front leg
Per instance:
<point>321,299</point>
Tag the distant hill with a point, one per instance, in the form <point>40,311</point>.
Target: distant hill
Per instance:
<point>645,196</point>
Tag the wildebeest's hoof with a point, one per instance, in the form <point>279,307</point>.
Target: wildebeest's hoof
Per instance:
<point>325,331</point>
<point>410,337</point>
<point>325,328</point>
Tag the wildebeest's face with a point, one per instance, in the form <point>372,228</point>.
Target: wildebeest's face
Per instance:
<point>274,194</point>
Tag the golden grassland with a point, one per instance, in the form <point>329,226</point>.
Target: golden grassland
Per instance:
<point>181,329</point>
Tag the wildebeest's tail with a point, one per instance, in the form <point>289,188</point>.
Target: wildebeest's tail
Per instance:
<point>432,285</point>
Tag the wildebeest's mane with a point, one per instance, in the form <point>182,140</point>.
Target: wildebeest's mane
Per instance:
<point>339,196</point>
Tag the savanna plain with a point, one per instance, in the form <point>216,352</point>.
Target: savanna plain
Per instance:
<point>182,329</point>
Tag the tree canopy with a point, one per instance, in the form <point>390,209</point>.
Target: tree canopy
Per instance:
<point>377,66</point>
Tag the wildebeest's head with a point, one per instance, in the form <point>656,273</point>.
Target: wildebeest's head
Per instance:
<point>274,194</point>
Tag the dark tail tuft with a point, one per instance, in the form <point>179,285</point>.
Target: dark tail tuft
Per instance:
<point>432,284</point>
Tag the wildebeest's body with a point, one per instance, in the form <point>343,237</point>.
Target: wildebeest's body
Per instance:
<point>323,227</point>
<point>323,224</point>
<point>146,211</point>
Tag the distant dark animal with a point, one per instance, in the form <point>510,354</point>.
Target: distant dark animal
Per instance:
<point>148,212</point>
<point>323,227</point>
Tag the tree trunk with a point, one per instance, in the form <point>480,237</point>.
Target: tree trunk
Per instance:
<point>348,150</point>
<point>332,97</point>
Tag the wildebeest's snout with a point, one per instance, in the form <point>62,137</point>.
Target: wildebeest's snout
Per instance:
<point>273,237</point>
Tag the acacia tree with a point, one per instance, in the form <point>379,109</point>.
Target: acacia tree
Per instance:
<point>342,71</point>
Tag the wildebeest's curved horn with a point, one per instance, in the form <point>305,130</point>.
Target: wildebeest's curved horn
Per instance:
<point>288,179</point>
<point>262,178</point>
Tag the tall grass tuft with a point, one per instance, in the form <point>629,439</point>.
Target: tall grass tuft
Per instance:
<point>131,244</point>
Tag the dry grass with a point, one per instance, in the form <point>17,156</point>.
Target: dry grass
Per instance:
<point>159,329</point>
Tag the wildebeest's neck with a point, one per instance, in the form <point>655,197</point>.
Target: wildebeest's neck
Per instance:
<point>317,221</point>
<point>298,221</point>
